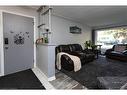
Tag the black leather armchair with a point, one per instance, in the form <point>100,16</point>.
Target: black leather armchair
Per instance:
<point>111,53</point>
<point>76,50</point>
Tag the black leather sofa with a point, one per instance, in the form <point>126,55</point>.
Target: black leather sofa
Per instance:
<point>74,49</point>
<point>118,55</point>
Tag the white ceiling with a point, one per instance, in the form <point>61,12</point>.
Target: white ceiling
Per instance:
<point>94,16</point>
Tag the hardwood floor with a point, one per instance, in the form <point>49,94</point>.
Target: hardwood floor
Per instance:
<point>62,81</point>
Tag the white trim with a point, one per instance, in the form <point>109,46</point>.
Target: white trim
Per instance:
<point>2,65</point>
<point>16,13</point>
<point>51,78</point>
<point>49,17</point>
<point>43,79</point>
<point>2,49</point>
<point>2,45</point>
<point>35,24</point>
<point>67,18</point>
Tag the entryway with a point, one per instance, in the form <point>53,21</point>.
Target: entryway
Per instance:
<point>18,34</point>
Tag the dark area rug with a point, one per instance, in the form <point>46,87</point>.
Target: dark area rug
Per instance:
<point>101,67</point>
<point>21,80</point>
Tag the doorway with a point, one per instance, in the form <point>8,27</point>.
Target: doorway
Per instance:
<point>18,32</point>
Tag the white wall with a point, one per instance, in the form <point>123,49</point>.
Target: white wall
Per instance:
<point>46,62</point>
<point>21,11</point>
<point>61,35</point>
<point>1,46</point>
<point>42,57</point>
<point>60,27</point>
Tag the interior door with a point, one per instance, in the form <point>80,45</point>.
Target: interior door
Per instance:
<point>18,43</point>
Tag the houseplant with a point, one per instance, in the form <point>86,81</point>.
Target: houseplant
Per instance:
<point>90,45</point>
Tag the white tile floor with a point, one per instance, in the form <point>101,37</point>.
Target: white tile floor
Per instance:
<point>42,79</point>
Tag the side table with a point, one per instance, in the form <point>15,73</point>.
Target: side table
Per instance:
<point>96,52</point>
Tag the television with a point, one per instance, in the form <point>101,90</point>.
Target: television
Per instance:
<point>75,30</point>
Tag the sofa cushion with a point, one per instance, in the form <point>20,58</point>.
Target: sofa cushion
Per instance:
<point>115,52</point>
<point>118,54</point>
<point>63,48</point>
<point>75,47</point>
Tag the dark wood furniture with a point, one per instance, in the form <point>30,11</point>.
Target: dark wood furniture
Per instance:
<point>96,52</point>
<point>99,48</point>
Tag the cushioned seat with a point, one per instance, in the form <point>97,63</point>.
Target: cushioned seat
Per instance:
<point>118,52</point>
<point>76,50</point>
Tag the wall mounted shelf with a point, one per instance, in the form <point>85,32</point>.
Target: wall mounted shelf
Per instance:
<point>46,33</point>
<point>41,25</point>
<point>44,22</point>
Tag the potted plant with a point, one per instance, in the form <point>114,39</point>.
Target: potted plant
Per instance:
<point>94,47</point>
<point>90,45</point>
<point>87,44</point>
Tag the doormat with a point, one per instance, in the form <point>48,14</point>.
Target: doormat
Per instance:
<point>21,80</point>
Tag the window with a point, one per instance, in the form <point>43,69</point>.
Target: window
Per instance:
<point>108,37</point>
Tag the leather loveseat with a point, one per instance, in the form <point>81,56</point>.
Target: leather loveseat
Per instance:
<point>73,49</point>
<point>118,52</point>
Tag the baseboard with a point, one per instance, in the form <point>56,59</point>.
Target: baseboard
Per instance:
<point>43,79</point>
<point>51,78</point>
<point>1,74</point>
<point>41,73</point>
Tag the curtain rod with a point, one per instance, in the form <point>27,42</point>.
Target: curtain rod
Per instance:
<point>107,27</point>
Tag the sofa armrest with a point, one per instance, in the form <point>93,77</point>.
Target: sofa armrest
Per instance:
<point>125,52</point>
<point>67,58</point>
<point>76,53</point>
<point>108,51</point>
